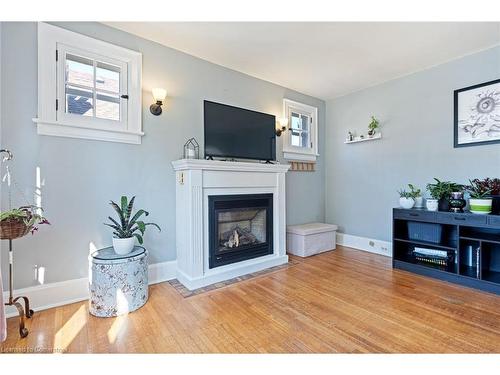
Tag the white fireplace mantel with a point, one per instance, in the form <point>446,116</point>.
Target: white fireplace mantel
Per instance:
<point>196,180</point>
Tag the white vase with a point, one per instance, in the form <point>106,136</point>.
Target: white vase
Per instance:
<point>480,206</point>
<point>419,202</point>
<point>123,246</point>
<point>406,202</point>
<point>432,204</point>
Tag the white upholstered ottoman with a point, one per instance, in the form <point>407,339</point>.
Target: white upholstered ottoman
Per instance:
<point>309,239</point>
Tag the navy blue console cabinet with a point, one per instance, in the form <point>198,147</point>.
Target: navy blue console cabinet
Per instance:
<point>470,242</point>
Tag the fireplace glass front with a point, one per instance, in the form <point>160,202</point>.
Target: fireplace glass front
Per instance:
<point>240,227</point>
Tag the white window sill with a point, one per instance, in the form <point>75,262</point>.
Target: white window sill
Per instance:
<point>59,129</point>
<point>300,156</point>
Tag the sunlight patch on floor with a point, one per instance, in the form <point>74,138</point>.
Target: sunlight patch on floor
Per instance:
<point>117,327</point>
<point>122,310</point>
<point>65,336</point>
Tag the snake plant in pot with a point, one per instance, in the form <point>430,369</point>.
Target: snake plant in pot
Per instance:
<point>128,227</point>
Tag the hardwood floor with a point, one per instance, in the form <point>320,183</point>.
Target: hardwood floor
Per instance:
<point>342,301</point>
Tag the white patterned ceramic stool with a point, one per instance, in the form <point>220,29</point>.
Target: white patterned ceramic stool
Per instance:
<point>118,283</point>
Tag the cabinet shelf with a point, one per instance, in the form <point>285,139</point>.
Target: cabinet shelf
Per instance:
<point>483,238</point>
<point>425,243</point>
<point>491,276</point>
<point>468,271</point>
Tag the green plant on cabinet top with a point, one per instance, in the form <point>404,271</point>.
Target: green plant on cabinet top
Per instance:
<point>442,189</point>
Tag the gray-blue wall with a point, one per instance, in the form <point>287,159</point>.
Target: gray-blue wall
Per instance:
<point>80,176</point>
<point>416,114</point>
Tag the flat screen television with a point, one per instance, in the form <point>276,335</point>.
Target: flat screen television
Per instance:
<point>232,132</point>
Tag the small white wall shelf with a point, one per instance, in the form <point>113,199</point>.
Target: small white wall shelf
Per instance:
<point>366,138</point>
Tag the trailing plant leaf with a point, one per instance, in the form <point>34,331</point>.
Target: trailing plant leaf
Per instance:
<point>141,226</point>
<point>139,238</point>
<point>137,215</point>
<point>120,213</point>
<point>155,225</point>
<point>117,230</point>
<point>123,205</point>
<point>128,211</point>
<point>114,221</point>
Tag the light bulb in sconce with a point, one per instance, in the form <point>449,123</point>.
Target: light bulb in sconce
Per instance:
<point>159,96</point>
<point>283,123</point>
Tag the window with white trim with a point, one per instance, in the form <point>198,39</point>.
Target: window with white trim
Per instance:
<point>87,88</point>
<point>301,139</point>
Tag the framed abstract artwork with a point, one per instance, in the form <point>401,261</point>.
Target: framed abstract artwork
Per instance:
<point>477,114</point>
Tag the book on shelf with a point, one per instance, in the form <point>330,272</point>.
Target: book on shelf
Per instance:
<point>431,252</point>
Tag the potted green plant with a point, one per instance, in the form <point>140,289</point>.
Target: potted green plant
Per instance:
<point>417,196</point>
<point>406,199</point>
<point>128,227</point>
<point>440,192</point>
<point>493,185</point>
<point>480,201</point>
<point>373,126</point>
<point>18,222</point>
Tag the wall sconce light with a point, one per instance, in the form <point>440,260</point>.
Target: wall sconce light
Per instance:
<point>159,96</point>
<point>283,123</point>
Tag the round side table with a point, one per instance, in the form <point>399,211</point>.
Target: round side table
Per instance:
<point>118,283</point>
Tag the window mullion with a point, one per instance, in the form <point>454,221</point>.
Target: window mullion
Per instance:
<point>94,90</point>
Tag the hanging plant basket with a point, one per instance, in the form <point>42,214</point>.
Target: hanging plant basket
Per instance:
<point>12,228</point>
<point>18,222</point>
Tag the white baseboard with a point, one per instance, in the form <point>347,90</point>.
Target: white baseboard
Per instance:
<point>160,272</point>
<point>366,244</point>
<point>70,291</point>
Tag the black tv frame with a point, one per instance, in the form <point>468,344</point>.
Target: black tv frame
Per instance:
<point>211,156</point>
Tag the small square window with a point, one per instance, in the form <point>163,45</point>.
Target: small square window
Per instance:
<point>301,142</point>
<point>300,130</point>
<point>90,90</point>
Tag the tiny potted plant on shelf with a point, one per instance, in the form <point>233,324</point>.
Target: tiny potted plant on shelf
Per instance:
<point>128,228</point>
<point>440,192</point>
<point>417,195</point>
<point>406,199</point>
<point>373,126</point>
<point>479,202</point>
<point>18,222</point>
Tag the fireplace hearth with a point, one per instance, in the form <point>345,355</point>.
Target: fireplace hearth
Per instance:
<point>240,227</point>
